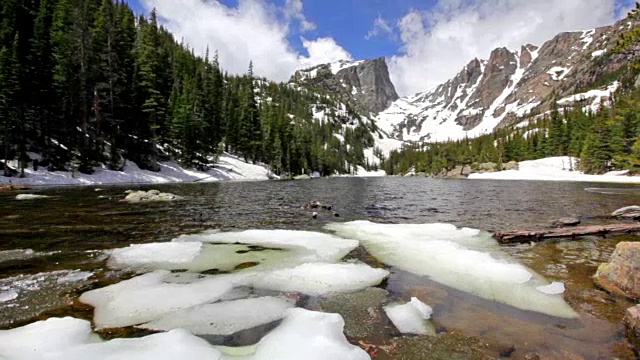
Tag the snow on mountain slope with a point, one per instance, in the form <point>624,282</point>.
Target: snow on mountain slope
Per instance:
<point>487,94</point>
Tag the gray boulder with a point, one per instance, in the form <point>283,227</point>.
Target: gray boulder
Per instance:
<point>511,165</point>
<point>149,196</point>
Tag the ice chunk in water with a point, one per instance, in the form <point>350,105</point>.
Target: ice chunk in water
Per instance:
<point>321,278</point>
<point>554,288</point>
<point>197,257</point>
<point>7,295</point>
<point>411,317</point>
<point>153,295</point>
<point>464,259</point>
<point>224,318</point>
<point>142,255</point>
<point>314,246</point>
<point>45,337</point>
<point>307,335</point>
<point>72,339</point>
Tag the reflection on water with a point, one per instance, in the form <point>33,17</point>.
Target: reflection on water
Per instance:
<point>63,229</point>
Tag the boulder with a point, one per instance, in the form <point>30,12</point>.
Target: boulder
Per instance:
<point>302,177</point>
<point>629,212</point>
<point>149,196</point>
<point>632,325</point>
<point>566,222</point>
<point>621,275</point>
<point>466,170</point>
<point>511,165</point>
<point>488,166</point>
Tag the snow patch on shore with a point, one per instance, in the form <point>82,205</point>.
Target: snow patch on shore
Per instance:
<point>228,167</point>
<point>554,169</point>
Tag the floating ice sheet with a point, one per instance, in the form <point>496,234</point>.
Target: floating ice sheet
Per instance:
<point>7,295</point>
<point>224,318</point>
<point>320,278</point>
<point>411,318</point>
<point>465,259</point>
<point>148,297</point>
<point>311,246</point>
<point>554,288</point>
<point>31,197</point>
<point>197,257</point>
<point>72,339</point>
<point>307,335</point>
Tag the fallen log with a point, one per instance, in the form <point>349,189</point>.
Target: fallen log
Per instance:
<point>526,236</point>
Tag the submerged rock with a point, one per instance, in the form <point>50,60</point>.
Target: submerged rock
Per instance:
<point>444,346</point>
<point>566,222</point>
<point>629,212</point>
<point>632,325</point>
<point>148,196</point>
<point>621,275</point>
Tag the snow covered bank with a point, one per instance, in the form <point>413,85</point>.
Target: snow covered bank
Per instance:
<point>555,169</point>
<point>228,168</point>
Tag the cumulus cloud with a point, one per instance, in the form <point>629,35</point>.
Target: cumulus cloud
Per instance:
<point>381,27</point>
<point>439,42</point>
<point>321,51</point>
<point>293,10</point>
<point>251,31</point>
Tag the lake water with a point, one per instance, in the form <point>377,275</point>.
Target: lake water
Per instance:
<point>70,230</point>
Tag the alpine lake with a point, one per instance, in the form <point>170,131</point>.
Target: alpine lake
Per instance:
<point>75,228</point>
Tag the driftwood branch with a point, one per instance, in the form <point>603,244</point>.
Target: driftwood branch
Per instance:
<point>525,236</point>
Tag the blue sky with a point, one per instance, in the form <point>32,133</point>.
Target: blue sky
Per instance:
<point>425,41</point>
<point>347,21</point>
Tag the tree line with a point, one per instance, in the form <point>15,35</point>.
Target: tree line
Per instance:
<point>87,83</point>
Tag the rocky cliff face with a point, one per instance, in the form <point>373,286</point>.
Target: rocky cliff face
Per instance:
<point>364,84</point>
<point>496,92</point>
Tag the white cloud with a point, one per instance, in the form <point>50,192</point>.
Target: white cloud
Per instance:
<point>381,27</point>
<point>438,43</point>
<point>321,51</point>
<point>252,31</point>
<point>293,10</point>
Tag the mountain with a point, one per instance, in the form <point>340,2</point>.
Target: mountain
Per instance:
<point>365,84</point>
<point>493,93</point>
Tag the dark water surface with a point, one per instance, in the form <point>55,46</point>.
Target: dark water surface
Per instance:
<point>68,230</point>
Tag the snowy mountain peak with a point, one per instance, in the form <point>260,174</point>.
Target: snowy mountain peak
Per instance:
<point>492,93</point>
<point>363,84</point>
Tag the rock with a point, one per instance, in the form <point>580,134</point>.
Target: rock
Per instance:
<point>511,165</point>
<point>488,166</point>
<point>302,177</point>
<point>629,212</point>
<point>152,195</point>
<point>466,170</point>
<point>366,84</point>
<point>621,275</point>
<point>314,215</point>
<point>632,325</point>
<point>335,214</point>
<point>566,222</point>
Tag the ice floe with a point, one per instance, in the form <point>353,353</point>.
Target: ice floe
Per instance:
<point>151,296</point>
<point>464,259</point>
<point>302,335</point>
<point>307,335</point>
<point>552,289</point>
<point>31,197</point>
<point>72,339</point>
<point>311,246</point>
<point>224,318</point>
<point>320,278</point>
<point>411,318</point>
<point>7,295</point>
<point>197,257</point>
